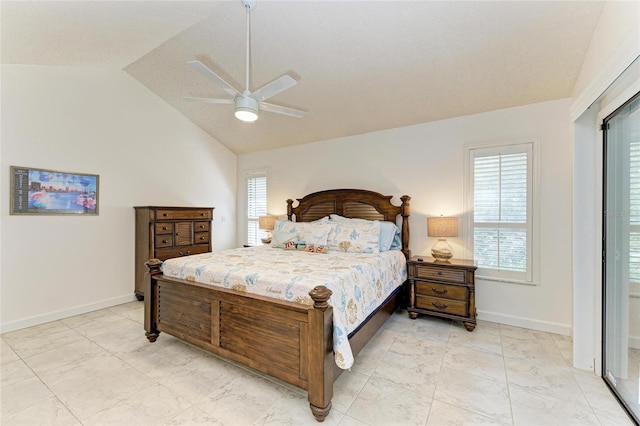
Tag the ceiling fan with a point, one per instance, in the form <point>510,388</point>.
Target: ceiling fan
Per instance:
<point>247,103</point>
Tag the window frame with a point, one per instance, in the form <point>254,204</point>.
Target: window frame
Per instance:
<point>253,174</point>
<point>531,276</point>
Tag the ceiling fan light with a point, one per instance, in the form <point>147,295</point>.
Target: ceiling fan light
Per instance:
<point>246,114</point>
<point>246,108</point>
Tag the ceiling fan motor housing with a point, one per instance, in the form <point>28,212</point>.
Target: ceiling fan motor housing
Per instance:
<point>246,104</point>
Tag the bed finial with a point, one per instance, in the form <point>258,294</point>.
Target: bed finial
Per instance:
<point>289,208</point>
<point>320,296</point>
<point>405,212</point>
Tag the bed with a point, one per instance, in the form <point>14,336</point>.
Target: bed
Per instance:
<point>293,342</point>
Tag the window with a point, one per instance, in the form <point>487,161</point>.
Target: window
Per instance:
<point>499,193</point>
<point>634,213</point>
<point>256,206</point>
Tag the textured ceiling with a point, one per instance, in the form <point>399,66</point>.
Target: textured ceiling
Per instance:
<point>361,66</point>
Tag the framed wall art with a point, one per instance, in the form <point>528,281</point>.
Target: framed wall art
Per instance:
<point>52,192</point>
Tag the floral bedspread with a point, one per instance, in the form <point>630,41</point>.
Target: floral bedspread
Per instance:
<point>359,282</point>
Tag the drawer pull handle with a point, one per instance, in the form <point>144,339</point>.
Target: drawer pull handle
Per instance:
<point>187,253</point>
<point>443,306</point>
<point>201,214</point>
<point>164,241</point>
<point>436,291</point>
<point>202,238</point>
<point>164,228</point>
<point>201,226</point>
<point>165,214</point>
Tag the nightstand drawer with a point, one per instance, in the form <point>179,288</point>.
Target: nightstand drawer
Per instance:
<point>201,238</point>
<point>441,305</point>
<point>441,274</point>
<point>442,291</point>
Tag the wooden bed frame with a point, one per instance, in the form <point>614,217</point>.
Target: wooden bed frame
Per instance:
<point>291,342</point>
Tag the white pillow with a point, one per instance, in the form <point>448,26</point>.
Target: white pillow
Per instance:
<point>355,237</point>
<point>389,232</point>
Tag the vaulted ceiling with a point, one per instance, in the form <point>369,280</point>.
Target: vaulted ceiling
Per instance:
<point>361,66</point>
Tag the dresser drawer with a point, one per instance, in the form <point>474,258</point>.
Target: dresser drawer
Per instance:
<point>168,253</point>
<point>201,226</point>
<point>163,228</point>
<point>191,214</point>
<point>201,238</point>
<point>441,305</point>
<point>164,241</point>
<point>443,291</point>
<point>441,274</point>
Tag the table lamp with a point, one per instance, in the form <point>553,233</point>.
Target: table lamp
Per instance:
<point>442,227</point>
<point>267,223</point>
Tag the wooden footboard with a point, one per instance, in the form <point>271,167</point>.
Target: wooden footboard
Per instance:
<point>288,341</point>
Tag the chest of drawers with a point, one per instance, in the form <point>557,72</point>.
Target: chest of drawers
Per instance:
<point>442,289</point>
<point>166,232</point>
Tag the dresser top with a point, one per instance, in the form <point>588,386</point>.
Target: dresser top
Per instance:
<point>428,260</point>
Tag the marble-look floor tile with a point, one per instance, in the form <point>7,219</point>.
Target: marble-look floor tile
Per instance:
<point>15,372</point>
<point>50,412</point>
<point>346,389</point>
<point>105,392</point>
<point>243,400</point>
<point>382,402</point>
<point>22,395</point>
<point>350,421</point>
<point>443,414</point>
<point>7,354</point>
<point>479,363</point>
<point>293,410</point>
<point>59,357</point>
<point>35,340</point>
<point>417,374</point>
<point>487,397</point>
<point>534,409</point>
<point>193,416</point>
<point>151,406</point>
<point>547,380</point>
<point>484,337</point>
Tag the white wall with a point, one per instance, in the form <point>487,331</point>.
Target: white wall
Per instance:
<point>98,121</point>
<point>426,162</point>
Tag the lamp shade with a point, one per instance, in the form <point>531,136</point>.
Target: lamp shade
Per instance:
<point>442,226</point>
<point>267,222</point>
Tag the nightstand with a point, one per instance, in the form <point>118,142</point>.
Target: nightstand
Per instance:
<point>443,289</point>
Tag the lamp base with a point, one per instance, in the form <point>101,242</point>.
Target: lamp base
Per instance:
<point>266,240</point>
<point>441,250</point>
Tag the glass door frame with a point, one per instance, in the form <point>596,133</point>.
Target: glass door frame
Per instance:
<point>605,158</point>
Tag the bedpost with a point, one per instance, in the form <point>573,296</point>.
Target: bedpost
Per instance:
<point>405,212</point>
<point>150,299</point>
<point>289,208</point>
<point>321,361</point>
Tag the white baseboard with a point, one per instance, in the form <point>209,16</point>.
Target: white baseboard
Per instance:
<point>533,324</point>
<point>634,342</point>
<point>64,313</point>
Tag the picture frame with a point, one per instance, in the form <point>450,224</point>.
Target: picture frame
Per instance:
<point>40,192</point>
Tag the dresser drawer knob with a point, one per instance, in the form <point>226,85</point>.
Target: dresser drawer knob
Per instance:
<point>165,214</point>
<point>439,272</point>
<point>185,253</point>
<point>177,233</point>
<point>202,226</point>
<point>201,214</point>
<point>164,228</point>
<point>202,238</point>
<point>443,306</point>
<point>164,241</point>
<point>436,291</point>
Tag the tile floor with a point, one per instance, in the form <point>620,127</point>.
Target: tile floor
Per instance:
<point>98,368</point>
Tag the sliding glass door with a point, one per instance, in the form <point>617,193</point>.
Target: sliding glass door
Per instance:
<point>621,251</point>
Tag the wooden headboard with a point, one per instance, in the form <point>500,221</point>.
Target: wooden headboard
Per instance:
<point>353,203</point>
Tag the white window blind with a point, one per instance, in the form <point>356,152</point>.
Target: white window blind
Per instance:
<point>634,213</point>
<point>501,189</point>
<point>256,206</point>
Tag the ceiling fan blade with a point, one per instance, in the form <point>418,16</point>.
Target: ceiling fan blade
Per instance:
<point>206,71</point>
<point>282,110</point>
<point>208,100</point>
<point>273,88</point>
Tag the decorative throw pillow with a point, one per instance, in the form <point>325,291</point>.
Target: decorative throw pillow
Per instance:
<point>315,233</point>
<point>286,231</point>
<point>355,237</point>
<point>389,232</point>
<point>314,248</point>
